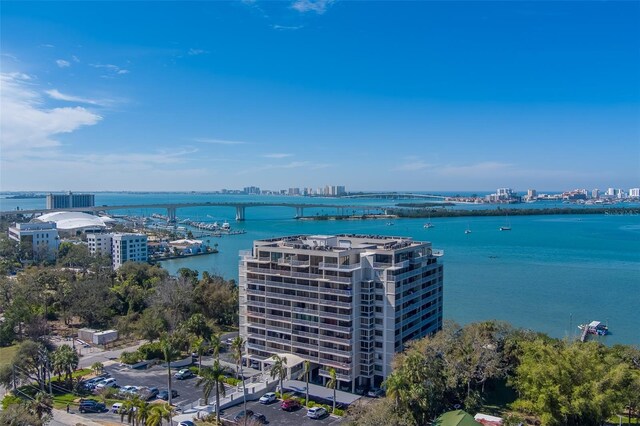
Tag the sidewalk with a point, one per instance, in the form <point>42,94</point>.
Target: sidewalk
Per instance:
<point>61,417</point>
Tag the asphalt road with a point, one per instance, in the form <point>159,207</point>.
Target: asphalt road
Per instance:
<point>276,416</point>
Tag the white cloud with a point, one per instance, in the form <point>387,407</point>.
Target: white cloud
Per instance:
<point>110,67</point>
<point>27,125</point>
<point>285,27</point>
<point>318,6</point>
<point>62,63</point>
<point>75,58</point>
<point>47,45</point>
<point>57,95</point>
<point>195,52</point>
<point>277,155</point>
<point>219,141</point>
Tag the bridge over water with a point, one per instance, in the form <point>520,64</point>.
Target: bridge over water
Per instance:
<point>173,207</point>
<point>396,195</point>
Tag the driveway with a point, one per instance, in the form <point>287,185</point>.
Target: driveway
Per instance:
<point>276,416</point>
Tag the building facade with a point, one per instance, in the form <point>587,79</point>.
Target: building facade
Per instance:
<point>128,248</point>
<point>99,244</point>
<point>70,200</point>
<point>42,237</point>
<point>347,302</point>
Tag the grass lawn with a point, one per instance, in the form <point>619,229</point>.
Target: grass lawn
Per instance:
<point>6,354</point>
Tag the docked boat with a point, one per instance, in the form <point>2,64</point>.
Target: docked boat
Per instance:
<point>226,226</point>
<point>595,327</point>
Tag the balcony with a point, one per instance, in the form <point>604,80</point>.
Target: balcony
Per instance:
<point>333,327</point>
<point>306,311</point>
<point>297,344</point>
<point>305,334</point>
<point>335,267</point>
<point>336,303</point>
<point>278,306</point>
<point>335,279</point>
<point>334,351</point>
<point>293,262</point>
<point>333,339</point>
<point>334,315</point>
<point>343,377</point>
<point>256,346</point>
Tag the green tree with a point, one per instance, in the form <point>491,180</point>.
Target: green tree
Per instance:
<point>200,347</point>
<point>197,324</point>
<point>170,353</point>
<point>215,344</point>
<point>279,369</point>
<point>583,384</point>
<point>212,379</point>
<point>158,413</point>
<point>307,373</point>
<point>332,384</point>
<point>65,360</point>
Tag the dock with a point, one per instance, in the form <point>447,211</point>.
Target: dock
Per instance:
<point>585,332</point>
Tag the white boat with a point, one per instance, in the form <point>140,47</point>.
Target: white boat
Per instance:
<point>507,225</point>
<point>468,230</point>
<point>428,225</point>
<point>226,225</point>
<point>595,327</point>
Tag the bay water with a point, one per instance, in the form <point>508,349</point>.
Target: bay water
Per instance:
<point>549,273</point>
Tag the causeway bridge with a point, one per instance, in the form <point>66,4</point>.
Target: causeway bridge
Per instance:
<point>172,208</point>
<point>396,195</point>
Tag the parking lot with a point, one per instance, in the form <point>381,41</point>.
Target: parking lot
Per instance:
<point>153,377</point>
<point>276,416</point>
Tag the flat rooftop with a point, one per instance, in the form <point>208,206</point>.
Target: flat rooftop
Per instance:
<point>340,242</point>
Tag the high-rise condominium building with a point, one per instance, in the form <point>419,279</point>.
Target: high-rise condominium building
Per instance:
<point>70,200</point>
<point>347,302</point>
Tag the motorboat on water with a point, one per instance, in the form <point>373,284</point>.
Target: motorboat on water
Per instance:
<point>428,225</point>
<point>595,327</point>
<point>226,226</point>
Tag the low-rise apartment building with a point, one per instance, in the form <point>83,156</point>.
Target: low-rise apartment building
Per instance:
<point>347,302</point>
<point>42,237</point>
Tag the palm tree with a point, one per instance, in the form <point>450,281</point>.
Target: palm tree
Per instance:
<point>42,406</point>
<point>398,388</point>
<point>237,346</point>
<point>199,347</point>
<point>129,407</point>
<point>97,368</point>
<point>143,409</point>
<point>307,373</point>
<point>215,344</point>
<point>212,378</point>
<point>279,369</point>
<point>65,359</point>
<point>157,413</point>
<point>331,384</point>
<point>170,352</point>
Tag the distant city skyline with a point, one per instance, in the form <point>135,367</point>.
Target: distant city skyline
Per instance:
<point>414,96</point>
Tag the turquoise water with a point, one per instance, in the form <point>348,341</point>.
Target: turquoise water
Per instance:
<point>548,274</point>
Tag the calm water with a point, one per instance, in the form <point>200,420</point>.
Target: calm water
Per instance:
<point>549,273</point>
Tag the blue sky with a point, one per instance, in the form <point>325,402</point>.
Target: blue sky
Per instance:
<point>371,95</point>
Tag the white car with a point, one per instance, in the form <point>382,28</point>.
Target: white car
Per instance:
<point>268,398</point>
<point>115,408</point>
<point>107,383</point>
<point>316,412</point>
<point>129,389</point>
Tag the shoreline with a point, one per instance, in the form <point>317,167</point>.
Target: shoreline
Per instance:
<point>394,213</point>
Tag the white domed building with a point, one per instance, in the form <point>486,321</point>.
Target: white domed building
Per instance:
<point>75,222</point>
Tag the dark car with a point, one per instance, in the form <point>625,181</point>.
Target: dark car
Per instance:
<point>242,414</point>
<point>259,418</point>
<point>148,394</point>
<point>164,394</point>
<point>91,406</point>
<point>290,405</point>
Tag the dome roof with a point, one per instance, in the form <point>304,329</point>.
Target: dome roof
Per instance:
<point>75,220</point>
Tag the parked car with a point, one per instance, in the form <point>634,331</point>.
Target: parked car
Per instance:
<point>186,423</point>
<point>290,405</point>
<point>164,394</point>
<point>316,412</point>
<point>148,393</point>
<point>107,383</point>
<point>259,418</point>
<point>91,406</point>
<point>115,408</point>
<point>268,398</point>
<point>129,390</point>
<point>183,374</point>
<point>375,393</point>
<point>254,364</point>
<point>242,414</point>
<point>90,384</point>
